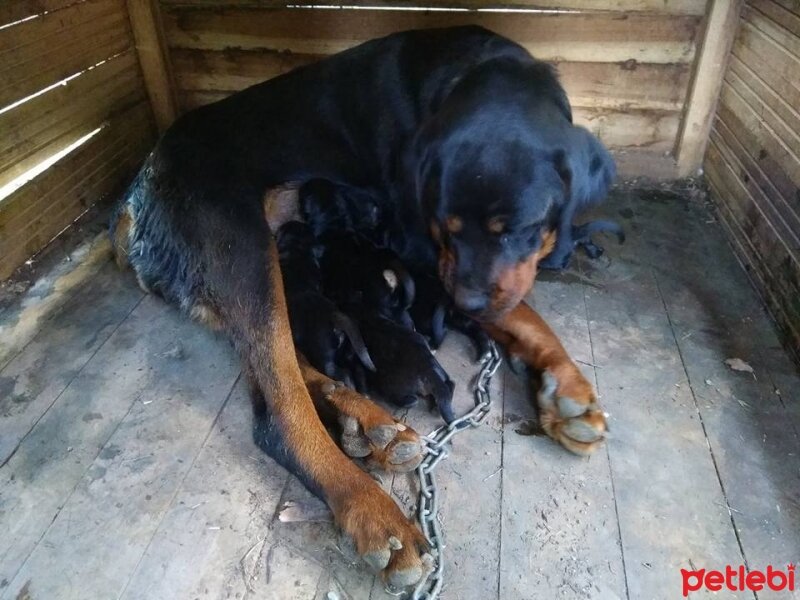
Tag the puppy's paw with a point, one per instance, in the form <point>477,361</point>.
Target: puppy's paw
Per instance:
<point>374,527</point>
<point>569,413</point>
<point>371,433</point>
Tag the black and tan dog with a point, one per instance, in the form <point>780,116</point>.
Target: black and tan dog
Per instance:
<point>472,142</point>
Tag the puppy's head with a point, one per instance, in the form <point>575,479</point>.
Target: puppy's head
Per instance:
<point>495,172</point>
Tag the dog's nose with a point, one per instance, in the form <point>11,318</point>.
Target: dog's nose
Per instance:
<point>469,300</point>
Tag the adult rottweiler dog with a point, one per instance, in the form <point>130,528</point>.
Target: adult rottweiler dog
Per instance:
<point>471,142</point>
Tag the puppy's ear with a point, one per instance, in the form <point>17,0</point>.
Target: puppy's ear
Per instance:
<point>585,167</point>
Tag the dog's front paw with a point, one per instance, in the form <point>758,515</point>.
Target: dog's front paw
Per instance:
<point>375,527</point>
<point>569,413</point>
<point>371,433</point>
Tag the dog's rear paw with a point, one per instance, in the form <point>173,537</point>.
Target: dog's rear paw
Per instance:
<point>375,528</point>
<point>371,433</point>
<point>569,414</point>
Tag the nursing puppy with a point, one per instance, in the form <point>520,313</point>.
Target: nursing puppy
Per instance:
<point>374,287</point>
<point>329,339</point>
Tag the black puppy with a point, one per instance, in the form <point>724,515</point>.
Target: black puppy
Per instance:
<point>328,207</point>
<point>405,369</point>
<point>328,338</point>
<point>433,314</point>
<point>372,285</point>
<point>358,275</point>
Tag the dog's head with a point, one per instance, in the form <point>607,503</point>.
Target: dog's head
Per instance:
<point>493,171</point>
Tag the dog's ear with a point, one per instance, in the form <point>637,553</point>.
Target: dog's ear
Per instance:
<point>585,167</point>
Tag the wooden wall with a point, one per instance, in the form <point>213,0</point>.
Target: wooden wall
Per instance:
<point>89,44</point>
<point>753,159</point>
<point>626,64</point>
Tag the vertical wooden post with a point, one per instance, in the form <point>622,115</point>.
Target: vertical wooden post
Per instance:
<point>722,22</point>
<point>154,60</point>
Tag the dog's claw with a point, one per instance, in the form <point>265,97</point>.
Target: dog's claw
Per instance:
<point>379,559</point>
<point>382,435</point>
<point>582,432</point>
<point>397,580</point>
<point>405,451</point>
<point>371,433</point>
<point>569,408</point>
<point>395,544</point>
<point>355,446</point>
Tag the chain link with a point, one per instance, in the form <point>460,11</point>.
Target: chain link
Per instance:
<point>436,451</point>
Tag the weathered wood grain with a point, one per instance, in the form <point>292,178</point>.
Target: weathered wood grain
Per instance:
<point>36,378</point>
<point>714,316</point>
<point>145,19</point>
<point>51,122</point>
<point>559,37</point>
<point>720,30</point>
<point>560,535</point>
<point>40,209</point>
<point>43,51</point>
<point>619,86</point>
<point>217,537</point>
<point>678,7</point>
<point>668,493</point>
<point>116,446</point>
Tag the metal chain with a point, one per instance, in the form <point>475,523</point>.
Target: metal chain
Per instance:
<point>435,451</point>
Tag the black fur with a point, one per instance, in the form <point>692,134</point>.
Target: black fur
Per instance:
<point>438,122</point>
<point>327,337</point>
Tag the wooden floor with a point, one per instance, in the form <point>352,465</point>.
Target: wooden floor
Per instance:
<point>128,469</point>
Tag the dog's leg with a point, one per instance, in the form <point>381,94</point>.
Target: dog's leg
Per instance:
<point>367,430</point>
<point>568,408</point>
<point>288,428</point>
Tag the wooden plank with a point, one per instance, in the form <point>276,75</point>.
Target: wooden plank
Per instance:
<point>669,498</point>
<point>21,321</point>
<point>755,268</point>
<point>769,61</point>
<point>51,122</point>
<point>45,190</point>
<point>650,130</point>
<point>625,86</point>
<point>218,540</point>
<point>781,267</point>
<point>557,37</point>
<point>766,142</point>
<point>721,24</point>
<point>779,14</point>
<point>751,174</point>
<point>750,82</point>
<point>560,536</point>
<point>59,45</point>
<point>672,7</point>
<point>145,19</point>
<point>782,120</point>
<point>715,315</point>
<point>655,166</point>
<point>764,160</point>
<point>12,11</point>
<point>778,230</point>
<point>154,414</point>
<point>618,86</point>
<point>35,378</point>
<point>776,31</point>
<point>35,213</point>
<point>790,5</point>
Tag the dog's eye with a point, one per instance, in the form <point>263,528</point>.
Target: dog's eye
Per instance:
<point>505,239</point>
